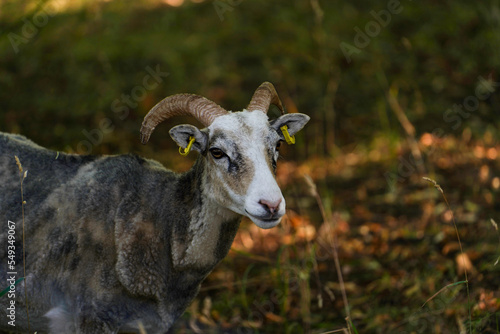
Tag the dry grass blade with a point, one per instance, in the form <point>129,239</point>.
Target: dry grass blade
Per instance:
<point>463,257</point>
<point>318,12</point>
<point>494,224</point>
<point>22,176</point>
<point>247,282</point>
<point>442,289</point>
<point>496,228</point>
<point>342,330</point>
<point>252,256</point>
<point>313,190</point>
<point>18,163</point>
<point>142,330</point>
<point>438,187</point>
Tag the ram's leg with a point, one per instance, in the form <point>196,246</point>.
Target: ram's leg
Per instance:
<point>92,326</point>
<point>91,322</point>
<point>171,310</point>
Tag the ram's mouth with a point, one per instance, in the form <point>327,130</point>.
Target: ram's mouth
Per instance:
<point>265,222</point>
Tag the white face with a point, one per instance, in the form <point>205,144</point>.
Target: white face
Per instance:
<point>241,161</point>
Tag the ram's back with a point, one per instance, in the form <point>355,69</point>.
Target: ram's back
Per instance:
<point>89,183</point>
<point>76,206</point>
<point>47,170</point>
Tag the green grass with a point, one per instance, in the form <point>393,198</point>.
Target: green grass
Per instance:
<point>397,255</point>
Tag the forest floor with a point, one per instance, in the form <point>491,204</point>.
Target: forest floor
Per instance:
<point>396,243</point>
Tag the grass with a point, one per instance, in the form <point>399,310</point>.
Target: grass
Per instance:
<point>4,291</point>
<point>463,257</point>
<point>396,253</point>
<point>313,190</point>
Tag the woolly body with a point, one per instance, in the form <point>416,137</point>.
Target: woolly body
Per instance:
<point>114,240</point>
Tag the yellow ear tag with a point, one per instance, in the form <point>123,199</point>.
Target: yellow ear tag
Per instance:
<point>185,151</point>
<point>289,139</point>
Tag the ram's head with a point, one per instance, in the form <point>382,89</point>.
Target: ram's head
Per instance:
<point>240,149</point>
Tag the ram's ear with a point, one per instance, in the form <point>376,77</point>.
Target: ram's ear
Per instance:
<point>181,134</point>
<point>294,122</point>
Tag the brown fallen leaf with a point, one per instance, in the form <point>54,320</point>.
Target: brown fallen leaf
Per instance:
<point>273,317</point>
<point>464,264</point>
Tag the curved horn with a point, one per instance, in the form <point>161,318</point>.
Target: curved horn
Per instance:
<point>263,97</point>
<point>197,106</point>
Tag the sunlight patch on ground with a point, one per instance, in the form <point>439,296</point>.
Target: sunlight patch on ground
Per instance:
<point>60,6</point>
<point>174,3</point>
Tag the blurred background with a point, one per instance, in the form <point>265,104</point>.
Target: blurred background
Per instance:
<point>396,91</point>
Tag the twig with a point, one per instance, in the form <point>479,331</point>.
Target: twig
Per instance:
<point>407,126</point>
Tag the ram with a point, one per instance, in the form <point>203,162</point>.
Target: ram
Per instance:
<point>112,242</point>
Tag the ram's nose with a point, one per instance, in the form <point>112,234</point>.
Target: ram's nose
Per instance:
<point>271,207</point>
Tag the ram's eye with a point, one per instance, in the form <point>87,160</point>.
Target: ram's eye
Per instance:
<point>217,153</point>
<point>278,146</point>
